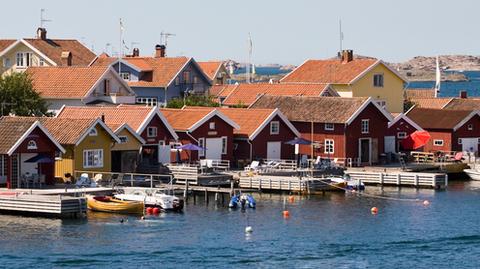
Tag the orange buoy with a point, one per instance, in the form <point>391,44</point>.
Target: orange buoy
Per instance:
<point>286,214</point>
<point>149,210</point>
<point>374,210</point>
<point>426,202</point>
<point>291,198</point>
<point>156,210</point>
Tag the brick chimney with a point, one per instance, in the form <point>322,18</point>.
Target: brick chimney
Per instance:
<point>160,51</point>
<point>136,52</point>
<point>42,33</point>
<point>463,94</point>
<point>347,56</point>
<point>66,58</point>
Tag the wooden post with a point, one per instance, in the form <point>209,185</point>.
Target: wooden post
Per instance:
<point>434,181</point>
<point>446,180</point>
<point>381,178</point>
<point>232,191</point>
<point>206,197</point>
<point>131,180</point>
<point>289,185</point>
<point>216,197</point>
<point>260,184</point>
<point>270,183</point>
<point>151,181</point>
<point>250,182</point>
<point>416,180</point>
<point>398,179</point>
<point>185,192</point>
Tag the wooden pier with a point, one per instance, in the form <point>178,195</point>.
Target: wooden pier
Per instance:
<point>418,180</point>
<point>48,205</point>
<point>285,184</point>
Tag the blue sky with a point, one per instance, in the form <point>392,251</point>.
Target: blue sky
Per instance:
<point>286,32</point>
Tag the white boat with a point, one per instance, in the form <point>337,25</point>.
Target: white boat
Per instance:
<point>474,174</point>
<point>154,198</point>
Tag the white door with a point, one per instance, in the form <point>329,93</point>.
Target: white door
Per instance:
<point>214,148</point>
<point>164,154</point>
<point>389,144</point>
<point>470,144</point>
<point>274,150</point>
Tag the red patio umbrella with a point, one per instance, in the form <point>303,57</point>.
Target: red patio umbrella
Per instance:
<point>416,140</point>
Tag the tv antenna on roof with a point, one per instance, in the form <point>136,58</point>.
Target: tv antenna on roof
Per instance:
<point>341,37</point>
<point>164,37</point>
<point>43,20</point>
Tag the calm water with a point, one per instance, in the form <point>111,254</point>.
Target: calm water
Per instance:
<point>331,231</point>
<point>452,89</point>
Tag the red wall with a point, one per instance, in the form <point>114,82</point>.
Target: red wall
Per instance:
<point>400,126</point>
<point>445,135</point>
<point>162,132</point>
<point>319,135</point>
<point>463,132</point>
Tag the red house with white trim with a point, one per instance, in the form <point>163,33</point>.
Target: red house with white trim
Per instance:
<point>450,130</point>
<point>398,129</point>
<point>208,128</point>
<point>350,129</point>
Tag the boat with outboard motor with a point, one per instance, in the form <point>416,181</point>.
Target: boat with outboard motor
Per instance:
<point>242,201</point>
<point>113,205</point>
<point>152,198</point>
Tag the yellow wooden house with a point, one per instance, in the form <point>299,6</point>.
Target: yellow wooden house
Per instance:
<point>354,77</point>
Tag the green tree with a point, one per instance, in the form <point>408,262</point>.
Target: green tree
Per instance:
<point>193,100</point>
<point>407,104</point>
<point>18,97</point>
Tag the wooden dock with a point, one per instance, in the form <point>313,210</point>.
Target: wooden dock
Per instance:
<point>48,205</point>
<point>418,180</point>
<point>285,184</point>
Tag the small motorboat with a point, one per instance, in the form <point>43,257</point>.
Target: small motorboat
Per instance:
<point>474,174</point>
<point>112,205</point>
<point>153,198</point>
<point>347,183</point>
<point>242,201</point>
<point>250,201</point>
<point>234,202</point>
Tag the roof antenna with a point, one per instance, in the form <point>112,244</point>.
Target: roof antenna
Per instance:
<point>43,20</point>
<point>164,38</point>
<point>340,37</point>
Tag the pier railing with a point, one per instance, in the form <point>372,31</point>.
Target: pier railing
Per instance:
<point>434,180</point>
<point>128,179</point>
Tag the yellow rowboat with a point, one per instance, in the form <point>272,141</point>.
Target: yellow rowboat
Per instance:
<point>110,204</point>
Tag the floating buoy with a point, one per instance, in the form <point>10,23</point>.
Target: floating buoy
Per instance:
<point>142,218</point>
<point>286,214</point>
<point>248,229</point>
<point>374,210</point>
<point>149,210</point>
<point>291,198</point>
<point>156,210</point>
<point>426,202</point>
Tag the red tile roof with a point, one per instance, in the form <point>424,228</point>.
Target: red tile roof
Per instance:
<point>429,118</point>
<point>53,48</point>
<point>463,104</point>
<point>419,93</point>
<point>210,68</point>
<point>65,82</point>
<point>329,71</point>
<point>183,119</point>
<point>11,132</point>
<point>4,43</point>
<point>246,94</point>
<point>436,103</point>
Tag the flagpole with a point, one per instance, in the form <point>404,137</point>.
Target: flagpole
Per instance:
<point>120,52</point>
<point>438,78</point>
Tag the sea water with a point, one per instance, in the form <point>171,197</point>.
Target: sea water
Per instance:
<point>453,88</point>
<point>334,230</point>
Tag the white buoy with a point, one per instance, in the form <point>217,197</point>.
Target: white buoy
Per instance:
<point>248,229</point>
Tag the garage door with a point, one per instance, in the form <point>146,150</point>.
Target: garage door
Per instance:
<point>274,150</point>
<point>214,148</point>
<point>469,144</point>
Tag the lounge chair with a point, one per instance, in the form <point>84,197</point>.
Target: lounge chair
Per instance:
<point>253,166</point>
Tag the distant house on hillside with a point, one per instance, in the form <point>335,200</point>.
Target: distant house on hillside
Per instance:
<point>18,55</point>
<point>352,77</point>
<point>156,80</point>
<point>70,85</point>
<point>216,71</point>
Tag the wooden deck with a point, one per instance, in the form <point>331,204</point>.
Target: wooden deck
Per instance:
<point>429,180</point>
<point>56,206</point>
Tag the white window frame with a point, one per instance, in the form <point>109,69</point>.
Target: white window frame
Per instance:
<point>382,84</point>
<point>149,101</point>
<point>329,146</point>
<point>365,123</point>
<point>459,141</point>
<point>438,142</point>
<point>6,62</point>
<point>470,127</point>
<point>123,139</point>
<point>125,76</point>
<point>93,132</point>
<point>150,131</point>
<point>211,125</point>
<point>97,158</point>
<point>272,124</point>
<point>32,144</point>
<point>41,62</point>
<point>329,127</point>
<point>401,135</point>
<point>224,144</point>
<point>23,59</point>
<point>201,143</point>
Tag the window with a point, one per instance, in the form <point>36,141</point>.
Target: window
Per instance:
<point>123,139</point>
<point>201,143</point>
<point>149,101</point>
<point>212,125</point>
<point>177,81</point>
<point>24,59</point>
<point>20,59</point>
<point>329,126</point>
<point>186,77</point>
<point>6,62</point>
<point>274,127</point>
<point>161,143</point>
<point>106,87</point>
<point>365,126</point>
<point>382,103</point>
<point>401,135</point>
<point>41,62</point>
<point>329,146</point>
<point>224,145</point>
<point>378,80</point>
<point>58,155</point>
<point>152,132</point>
<point>92,158</point>
<point>438,142</point>
<point>459,141</point>
<point>470,127</point>
<point>195,80</point>
<point>93,132</point>
<point>32,144</point>
<point>125,75</point>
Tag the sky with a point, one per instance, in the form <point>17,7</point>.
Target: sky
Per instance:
<point>284,32</point>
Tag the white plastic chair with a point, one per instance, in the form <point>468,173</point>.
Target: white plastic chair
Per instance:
<point>253,166</point>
